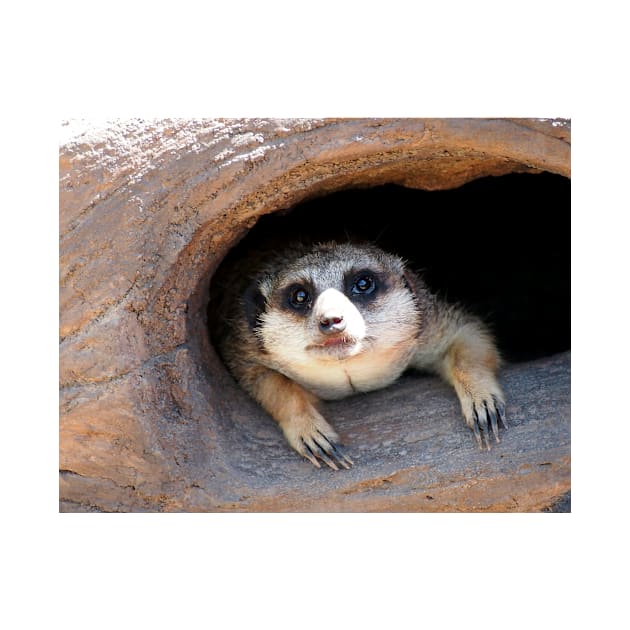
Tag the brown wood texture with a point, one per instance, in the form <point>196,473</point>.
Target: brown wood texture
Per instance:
<point>149,418</point>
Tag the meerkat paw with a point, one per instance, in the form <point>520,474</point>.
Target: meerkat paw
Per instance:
<point>294,409</point>
<point>315,439</point>
<point>483,410</point>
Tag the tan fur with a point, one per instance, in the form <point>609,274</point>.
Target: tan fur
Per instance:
<point>294,408</point>
<point>288,356</point>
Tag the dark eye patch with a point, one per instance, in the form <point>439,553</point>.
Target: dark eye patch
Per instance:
<point>298,298</point>
<point>365,284</point>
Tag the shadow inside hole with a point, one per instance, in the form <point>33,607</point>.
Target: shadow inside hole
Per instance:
<point>498,245</point>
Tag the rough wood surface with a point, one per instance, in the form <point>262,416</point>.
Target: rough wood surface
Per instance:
<point>150,420</point>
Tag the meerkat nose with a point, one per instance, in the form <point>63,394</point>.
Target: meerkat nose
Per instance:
<point>332,323</point>
<point>335,314</point>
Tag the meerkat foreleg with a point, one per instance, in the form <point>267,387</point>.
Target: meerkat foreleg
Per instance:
<point>294,409</point>
<point>465,355</point>
<point>469,365</point>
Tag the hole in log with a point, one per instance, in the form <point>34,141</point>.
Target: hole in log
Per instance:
<point>500,246</point>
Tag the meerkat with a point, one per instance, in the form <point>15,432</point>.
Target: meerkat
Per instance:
<point>310,323</point>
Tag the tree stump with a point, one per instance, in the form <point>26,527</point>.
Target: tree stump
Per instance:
<point>150,420</point>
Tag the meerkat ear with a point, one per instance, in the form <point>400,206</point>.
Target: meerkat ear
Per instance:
<point>411,282</point>
<point>419,290</point>
<point>255,304</point>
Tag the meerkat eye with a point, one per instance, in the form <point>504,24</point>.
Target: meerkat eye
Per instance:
<point>363,284</point>
<point>299,297</point>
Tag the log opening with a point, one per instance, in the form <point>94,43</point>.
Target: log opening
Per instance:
<point>498,245</point>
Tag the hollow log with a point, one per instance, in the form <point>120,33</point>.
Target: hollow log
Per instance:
<point>150,420</point>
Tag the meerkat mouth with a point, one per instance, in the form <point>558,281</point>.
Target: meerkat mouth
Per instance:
<point>341,340</point>
<point>337,347</point>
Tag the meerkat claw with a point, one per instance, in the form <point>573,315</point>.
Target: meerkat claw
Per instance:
<point>336,451</point>
<point>328,461</point>
<point>306,452</point>
<point>475,428</point>
<point>500,407</point>
<point>485,417</point>
<point>481,421</point>
<point>342,456</point>
<point>319,452</point>
<point>316,451</point>
<point>492,414</point>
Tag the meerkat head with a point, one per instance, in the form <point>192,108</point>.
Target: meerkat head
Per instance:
<point>334,302</point>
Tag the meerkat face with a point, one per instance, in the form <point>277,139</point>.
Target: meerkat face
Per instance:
<point>337,303</point>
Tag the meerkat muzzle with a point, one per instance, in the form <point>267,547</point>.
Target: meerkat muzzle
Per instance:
<point>336,315</point>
